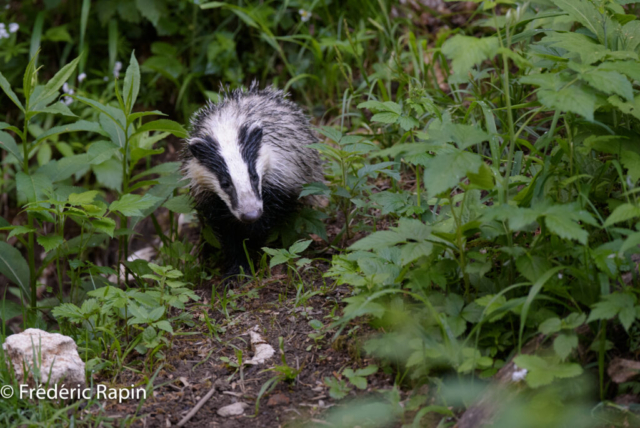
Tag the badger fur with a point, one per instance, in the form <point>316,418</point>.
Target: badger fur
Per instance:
<point>247,158</point>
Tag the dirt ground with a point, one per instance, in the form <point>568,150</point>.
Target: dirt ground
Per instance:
<point>193,363</point>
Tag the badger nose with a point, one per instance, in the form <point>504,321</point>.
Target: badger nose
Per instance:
<point>251,216</point>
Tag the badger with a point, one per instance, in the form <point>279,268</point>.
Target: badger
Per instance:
<point>246,158</point>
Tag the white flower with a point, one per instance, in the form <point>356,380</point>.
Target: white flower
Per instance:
<point>105,78</point>
<point>3,34</point>
<point>13,27</point>
<point>81,77</point>
<point>116,69</point>
<point>65,88</point>
<point>559,276</point>
<point>67,100</point>
<point>305,15</point>
<point>2,25</point>
<point>518,375</point>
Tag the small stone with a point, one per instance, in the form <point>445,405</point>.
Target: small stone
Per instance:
<point>235,409</point>
<point>58,358</point>
<point>278,400</point>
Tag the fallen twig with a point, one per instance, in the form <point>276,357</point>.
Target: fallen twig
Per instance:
<point>193,411</point>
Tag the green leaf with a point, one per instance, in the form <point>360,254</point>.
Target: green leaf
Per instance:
<point>83,198</point>
<point>57,108</point>
<point>609,82</point>
<point>9,309</point>
<point>6,87</point>
<point>164,325</point>
<point>131,205</point>
<point>101,151</point>
<point>81,125</point>
<point>163,125</point>
<point>9,144</point>
<point>542,372</point>
<point>104,225</point>
<point>14,267</point>
<point>32,188</point>
<point>564,344</point>
<point>182,204</point>
<point>56,82</point>
<point>465,52</point>
<point>50,242</point>
<point>19,230</point>
<point>132,77</point>
<point>623,212</point>
<point>109,174</point>
<point>550,326</point>
<point>631,161</point>
<point>386,117</point>
<point>445,170</point>
<point>300,246</point>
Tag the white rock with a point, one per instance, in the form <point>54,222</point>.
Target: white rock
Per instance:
<point>56,356</point>
<point>262,350</point>
<point>235,409</point>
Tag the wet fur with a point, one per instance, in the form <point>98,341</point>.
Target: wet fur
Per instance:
<point>283,132</point>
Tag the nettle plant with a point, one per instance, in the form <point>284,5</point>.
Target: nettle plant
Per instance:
<point>526,221</point>
<point>52,203</point>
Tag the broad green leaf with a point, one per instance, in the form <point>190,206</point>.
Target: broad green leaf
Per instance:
<point>386,117</point>
<point>33,187</point>
<point>164,325</point>
<point>542,371</point>
<point>564,344</point>
<point>182,204</point>
<point>83,198</point>
<point>101,151</point>
<point>586,13</point>
<point>300,246</point>
<point>131,205</point>
<point>9,309</point>
<point>550,326</point>
<point>444,171</point>
<point>50,242</point>
<point>631,161</point>
<point>9,144</point>
<point>465,52</point>
<point>609,82</point>
<point>623,212</point>
<point>20,230</point>
<point>163,125</point>
<point>109,174</point>
<point>14,267</point>
<point>104,225</point>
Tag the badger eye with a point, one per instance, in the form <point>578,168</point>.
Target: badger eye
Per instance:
<point>225,184</point>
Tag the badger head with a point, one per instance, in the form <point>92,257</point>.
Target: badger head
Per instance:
<point>228,160</point>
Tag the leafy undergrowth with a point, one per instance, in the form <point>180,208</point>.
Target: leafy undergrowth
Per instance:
<point>480,216</point>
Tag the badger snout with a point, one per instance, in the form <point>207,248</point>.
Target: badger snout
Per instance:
<point>251,216</point>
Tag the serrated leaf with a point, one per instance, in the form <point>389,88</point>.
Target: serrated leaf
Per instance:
<point>386,117</point>
<point>465,52</point>
<point>445,171</point>
<point>550,326</point>
<point>83,198</point>
<point>300,246</point>
<point>109,174</point>
<point>132,76</point>
<point>609,82</point>
<point>101,151</point>
<point>50,242</point>
<point>132,205</point>
<point>104,225</point>
<point>564,344</point>
<point>182,204</point>
<point>164,325</point>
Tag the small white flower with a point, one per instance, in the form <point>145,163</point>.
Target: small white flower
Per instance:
<point>560,276</point>
<point>71,92</point>
<point>7,6</point>
<point>13,27</point>
<point>67,100</point>
<point>65,88</point>
<point>105,78</point>
<point>116,69</point>
<point>81,77</point>
<point>518,375</point>
<point>611,256</point>
<point>305,15</point>
<point>3,34</point>
<point>2,25</point>
<point>629,182</point>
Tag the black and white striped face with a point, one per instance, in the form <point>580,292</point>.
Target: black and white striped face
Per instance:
<point>228,160</point>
